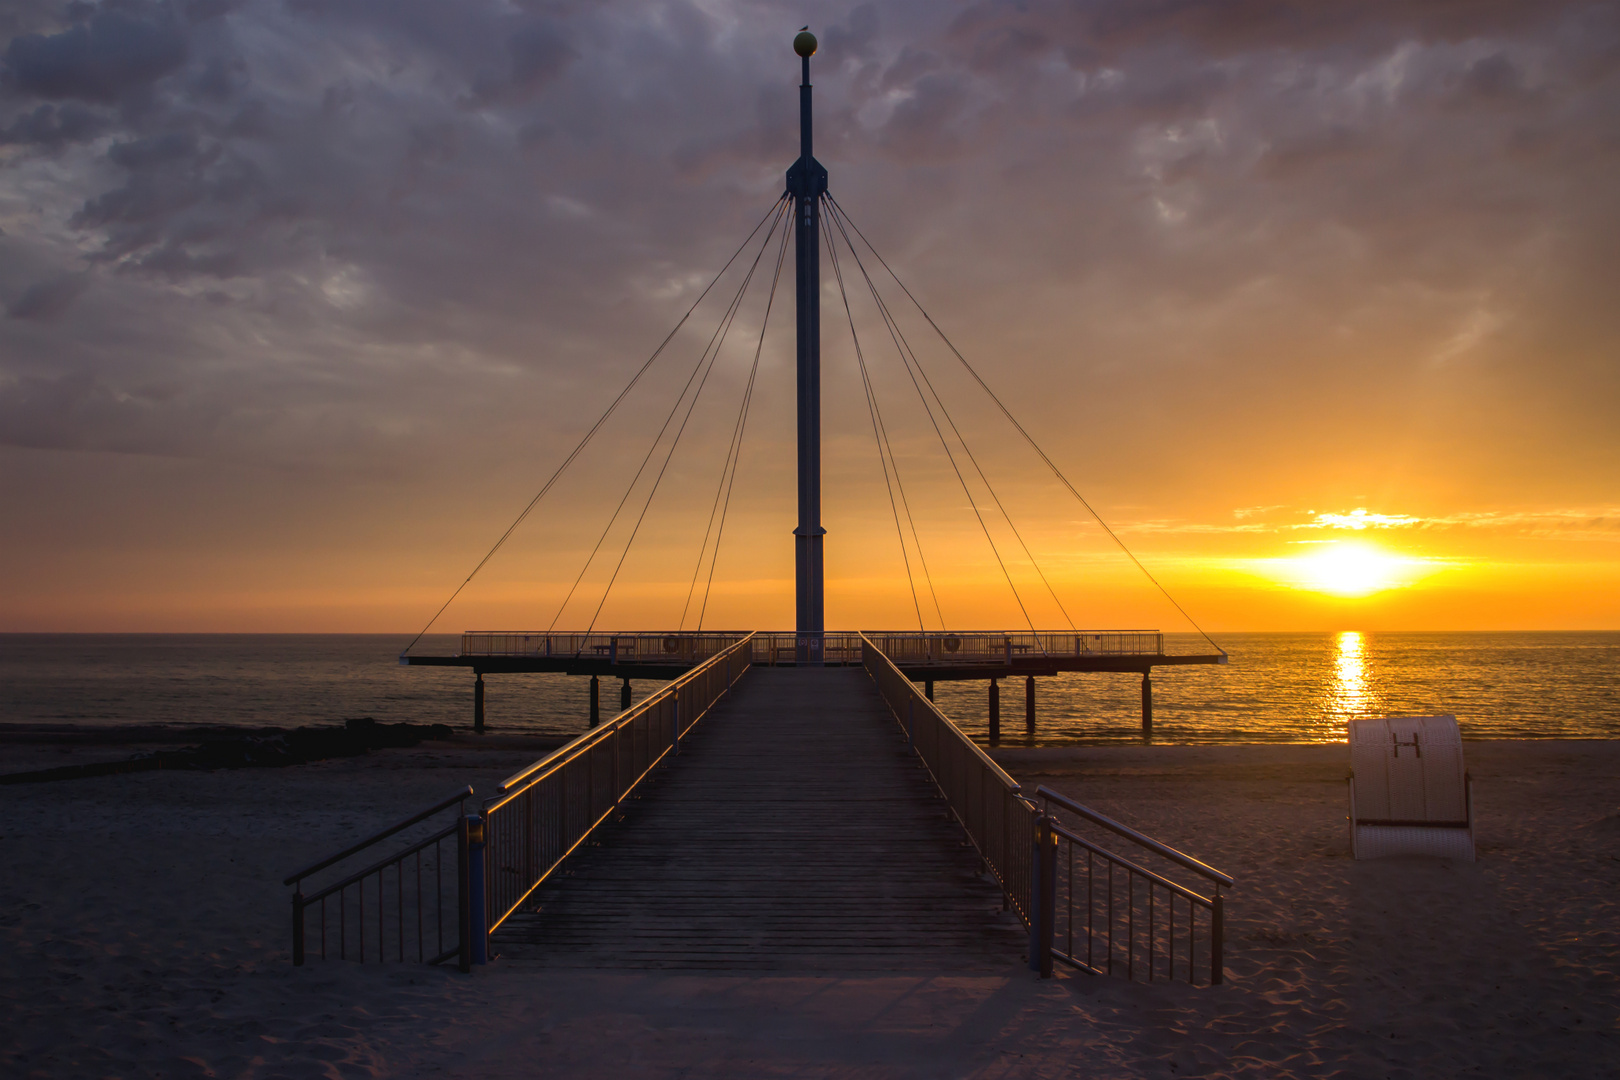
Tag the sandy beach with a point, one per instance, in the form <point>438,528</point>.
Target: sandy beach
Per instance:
<point>146,933</point>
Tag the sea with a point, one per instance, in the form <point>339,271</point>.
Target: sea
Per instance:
<point>1277,688</point>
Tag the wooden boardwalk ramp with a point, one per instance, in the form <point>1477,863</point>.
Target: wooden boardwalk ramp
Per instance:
<point>795,833</point>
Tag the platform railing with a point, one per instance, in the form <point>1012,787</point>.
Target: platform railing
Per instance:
<point>1109,914</point>
<point>837,648</point>
<point>911,649</point>
<point>398,907</point>
<point>547,810</point>
<point>998,820</point>
<point>669,647</point>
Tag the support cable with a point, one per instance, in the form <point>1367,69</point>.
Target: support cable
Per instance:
<point>725,507</point>
<point>945,445</point>
<point>1050,464</point>
<point>972,457</point>
<point>589,435</point>
<point>871,409</point>
<point>734,447</point>
<point>710,352</point>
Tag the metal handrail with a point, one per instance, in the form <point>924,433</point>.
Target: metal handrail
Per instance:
<point>460,796</point>
<point>546,811</point>
<point>994,813</point>
<point>1134,867</point>
<point>1050,900</point>
<point>405,903</point>
<point>383,864</point>
<point>673,647</point>
<point>1132,835</point>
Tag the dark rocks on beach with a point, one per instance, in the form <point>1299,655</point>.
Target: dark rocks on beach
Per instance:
<point>260,748</point>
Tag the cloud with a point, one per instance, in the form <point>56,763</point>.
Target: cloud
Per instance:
<point>46,301</point>
<point>1360,519</point>
<point>53,126</point>
<point>100,60</point>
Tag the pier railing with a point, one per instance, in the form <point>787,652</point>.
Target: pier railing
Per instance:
<point>546,811</point>
<point>908,648</point>
<point>912,649</point>
<point>405,906</point>
<point>671,647</point>
<point>1106,913</point>
<point>998,820</point>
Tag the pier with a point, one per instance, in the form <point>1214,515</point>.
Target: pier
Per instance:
<point>924,657</point>
<point>796,833</point>
<point>788,801</point>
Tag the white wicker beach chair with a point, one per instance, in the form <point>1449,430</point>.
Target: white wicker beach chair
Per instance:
<point>1409,794</point>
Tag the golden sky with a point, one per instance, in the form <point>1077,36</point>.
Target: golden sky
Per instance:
<point>1315,306</point>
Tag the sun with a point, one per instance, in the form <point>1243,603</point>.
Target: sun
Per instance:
<point>1351,570</point>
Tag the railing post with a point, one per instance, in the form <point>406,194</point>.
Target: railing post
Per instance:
<point>463,907</point>
<point>1217,937</point>
<point>995,713</point>
<point>1048,894</point>
<point>1042,897</point>
<point>477,911</point>
<point>298,925</point>
<point>911,724</point>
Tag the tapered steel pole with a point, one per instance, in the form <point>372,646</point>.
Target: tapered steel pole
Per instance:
<point>806,182</point>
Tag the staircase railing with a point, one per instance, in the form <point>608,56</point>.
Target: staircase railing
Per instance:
<point>998,820</point>
<point>1114,907</point>
<point>425,891</point>
<point>546,811</point>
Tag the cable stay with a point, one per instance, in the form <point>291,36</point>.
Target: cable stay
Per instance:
<point>728,468</point>
<point>906,349</point>
<point>776,208</point>
<point>843,218</point>
<point>877,429</point>
<point>704,366</point>
<point>748,399</point>
<point>944,443</point>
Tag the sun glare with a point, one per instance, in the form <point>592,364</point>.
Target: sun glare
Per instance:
<point>1351,570</point>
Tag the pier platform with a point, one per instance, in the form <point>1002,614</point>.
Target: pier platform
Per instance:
<point>797,833</point>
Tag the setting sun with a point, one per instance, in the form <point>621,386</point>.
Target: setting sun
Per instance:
<point>1351,570</point>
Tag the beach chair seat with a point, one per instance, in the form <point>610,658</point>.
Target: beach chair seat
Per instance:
<point>1409,793</point>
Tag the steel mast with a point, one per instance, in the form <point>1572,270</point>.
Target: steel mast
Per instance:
<point>806,182</point>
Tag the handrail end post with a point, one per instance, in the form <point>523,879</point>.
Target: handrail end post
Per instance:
<point>1042,897</point>
<point>1048,908</point>
<point>1217,938</point>
<point>477,911</point>
<point>463,908</point>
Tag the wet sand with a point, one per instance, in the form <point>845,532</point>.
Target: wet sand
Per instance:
<point>144,932</point>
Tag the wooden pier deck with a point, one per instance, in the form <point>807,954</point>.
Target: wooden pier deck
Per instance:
<point>795,833</point>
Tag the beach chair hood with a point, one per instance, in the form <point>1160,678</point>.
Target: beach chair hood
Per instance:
<point>1409,793</point>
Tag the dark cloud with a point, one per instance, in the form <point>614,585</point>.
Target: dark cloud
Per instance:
<point>99,60</point>
<point>328,193</point>
<point>46,301</point>
<point>52,125</point>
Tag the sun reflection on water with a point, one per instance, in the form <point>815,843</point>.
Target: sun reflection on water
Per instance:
<point>1350,696</point>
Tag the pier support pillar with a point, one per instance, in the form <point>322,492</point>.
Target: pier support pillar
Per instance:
<point>995,713</point>
<point>928,689</point>
<point>1029,704</point>
<point>1147,707</point>
<point>624,696</point>
<point>478,701</point>
<point>596,701</point>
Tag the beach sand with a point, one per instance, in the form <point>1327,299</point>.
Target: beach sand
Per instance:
<point>144,932</point>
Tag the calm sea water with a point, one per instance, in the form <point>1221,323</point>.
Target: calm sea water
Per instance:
<point>1278,687</point>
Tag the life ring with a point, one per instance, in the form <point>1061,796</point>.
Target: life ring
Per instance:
<point>952,643</point>
<point>672,643</point>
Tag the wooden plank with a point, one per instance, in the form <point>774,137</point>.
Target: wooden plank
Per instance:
<point>795,832</point>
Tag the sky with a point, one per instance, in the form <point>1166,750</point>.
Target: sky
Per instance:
<point>1314,303</point>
